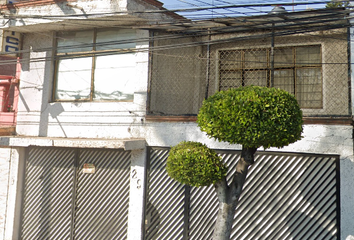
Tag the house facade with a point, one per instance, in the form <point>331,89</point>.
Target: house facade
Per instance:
<point>106,87</point>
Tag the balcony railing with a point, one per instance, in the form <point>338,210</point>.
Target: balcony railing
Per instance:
<point>8,100</point>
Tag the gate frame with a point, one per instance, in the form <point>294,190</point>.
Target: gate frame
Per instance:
<point>187,202</point>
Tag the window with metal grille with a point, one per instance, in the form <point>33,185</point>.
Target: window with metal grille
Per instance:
<point>95,65</point>
<point>297,69</point>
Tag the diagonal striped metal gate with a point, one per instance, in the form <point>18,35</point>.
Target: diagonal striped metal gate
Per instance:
<point>61,201</point>
<point>286,196</point>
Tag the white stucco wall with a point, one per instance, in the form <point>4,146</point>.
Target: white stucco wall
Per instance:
<point>37,116</point>
<point>136,195</point>
<point>9,196</point>
<point>4,183</point>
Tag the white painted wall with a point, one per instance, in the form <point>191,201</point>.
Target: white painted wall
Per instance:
<point>4,185</point>
<point>37,116</point>
<point>136,195</point>
<point>10,198</point>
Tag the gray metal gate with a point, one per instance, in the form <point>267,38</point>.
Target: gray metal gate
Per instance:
<point>63,202</point>
<point>286,196</point>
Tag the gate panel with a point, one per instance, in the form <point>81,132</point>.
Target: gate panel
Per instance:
<point>103,197</point>
<point>47,209</point>
<point>165,205</point>
<point>286,196</point>
<point>204,203</point>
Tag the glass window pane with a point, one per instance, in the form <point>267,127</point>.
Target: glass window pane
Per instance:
<point>283,57</point>
<point>81,41</point>
<point>257,78</point>
<point>309,55</point>
<point>309,87</point>
<point>284,79</point>
<point>256,59</point>
<point>115,39</point>
<point>230,60</point>
<point>114,77</point>
<point>74,79</point>
<point>230,80</point>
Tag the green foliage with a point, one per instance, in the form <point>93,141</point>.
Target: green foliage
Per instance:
<point>337,4</point>
<point>252,116</point>
<point>195,164</point>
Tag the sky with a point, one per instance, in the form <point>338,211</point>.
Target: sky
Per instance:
<point>232,12</point>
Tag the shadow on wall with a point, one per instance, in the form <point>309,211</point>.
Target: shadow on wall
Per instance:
<point>68,8</point>
<point>55,110</point>
<point>46,97</point>
<point>38,79</point>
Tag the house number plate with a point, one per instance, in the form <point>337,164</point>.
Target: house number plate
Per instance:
<point>89,168</point>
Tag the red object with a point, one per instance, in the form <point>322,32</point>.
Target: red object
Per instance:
<point>9,92</point>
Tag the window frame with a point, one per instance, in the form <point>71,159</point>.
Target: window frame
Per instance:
<point>293,67</point>
<point>93,54</point>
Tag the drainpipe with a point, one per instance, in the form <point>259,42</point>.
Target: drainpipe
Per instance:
<point>208,66</point>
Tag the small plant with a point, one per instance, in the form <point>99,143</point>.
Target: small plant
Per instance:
<point>194,164</point>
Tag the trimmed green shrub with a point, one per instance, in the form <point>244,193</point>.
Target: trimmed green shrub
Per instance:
<point>194,164</point>
<point>337,4</point>
<point>252,116</point>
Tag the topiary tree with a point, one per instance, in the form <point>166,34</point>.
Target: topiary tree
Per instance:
<point>194,164</point>
<point>337,4</point>
<point>251,116</point>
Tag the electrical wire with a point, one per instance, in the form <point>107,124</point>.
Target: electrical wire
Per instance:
<point>154,49</point>
<point>256,26</point>
<point>101,19</point>
<point>196,33</point>
<point>194,9</point>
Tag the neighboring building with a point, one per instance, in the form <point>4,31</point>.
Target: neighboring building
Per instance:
<point>106,87</point>
<point>9,79</point>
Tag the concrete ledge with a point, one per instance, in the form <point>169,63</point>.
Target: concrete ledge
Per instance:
<point>126,144</point>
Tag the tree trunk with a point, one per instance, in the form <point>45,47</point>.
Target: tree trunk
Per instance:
<point>223,225</point>
<point>228,195</point>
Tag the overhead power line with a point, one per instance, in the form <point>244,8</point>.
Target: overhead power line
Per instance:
<point>303,25</point>
<point>301,28</point>
<point>170,46</point>
<point>159,11</point>
<point>111,19</point>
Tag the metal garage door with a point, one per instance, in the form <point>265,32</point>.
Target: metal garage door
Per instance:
<point>61,201</point>
<point>286,196</point>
